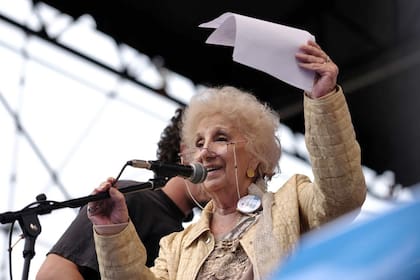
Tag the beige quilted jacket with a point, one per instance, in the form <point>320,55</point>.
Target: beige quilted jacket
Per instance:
<point>298,206</point>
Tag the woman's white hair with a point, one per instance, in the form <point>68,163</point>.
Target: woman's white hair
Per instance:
<point>256,121</point>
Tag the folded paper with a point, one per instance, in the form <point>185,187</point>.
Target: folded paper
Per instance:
<point>266,46</point>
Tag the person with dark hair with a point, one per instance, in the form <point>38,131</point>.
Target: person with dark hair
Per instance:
<point>245,231</point>
<point>170,138</point>
<point>155,213</point>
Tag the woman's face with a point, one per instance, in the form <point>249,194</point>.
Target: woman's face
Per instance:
<point>221,149</point>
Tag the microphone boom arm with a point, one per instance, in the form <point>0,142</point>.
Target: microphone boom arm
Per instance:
<point>31,227</point>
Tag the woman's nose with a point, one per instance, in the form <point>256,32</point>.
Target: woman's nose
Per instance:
<point>206,152</point>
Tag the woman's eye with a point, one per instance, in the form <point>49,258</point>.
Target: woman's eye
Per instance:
<point>221,139</point>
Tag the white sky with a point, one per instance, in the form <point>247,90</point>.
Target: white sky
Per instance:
<point>85,136</point>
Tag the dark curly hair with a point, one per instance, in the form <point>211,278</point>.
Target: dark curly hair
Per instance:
<point>170,139</point>
<point>169,147</point>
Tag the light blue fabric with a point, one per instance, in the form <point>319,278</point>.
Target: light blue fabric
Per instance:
<point>386,248</point>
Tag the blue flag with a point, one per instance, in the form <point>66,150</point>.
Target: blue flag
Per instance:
<point>386,247</point>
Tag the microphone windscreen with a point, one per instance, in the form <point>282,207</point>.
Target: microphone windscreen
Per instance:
<point>199,173</point>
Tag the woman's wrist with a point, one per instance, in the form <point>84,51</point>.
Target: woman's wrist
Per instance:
<point>335,89</point>
<point>109,229</point>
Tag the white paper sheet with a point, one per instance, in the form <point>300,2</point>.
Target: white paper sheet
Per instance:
<point>263,45</point>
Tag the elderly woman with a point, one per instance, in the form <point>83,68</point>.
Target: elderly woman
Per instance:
<point>244,232</point>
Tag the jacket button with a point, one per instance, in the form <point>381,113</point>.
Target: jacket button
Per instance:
<point>208,240</point>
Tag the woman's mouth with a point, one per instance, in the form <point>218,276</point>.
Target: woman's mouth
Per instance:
<point>210,169</point>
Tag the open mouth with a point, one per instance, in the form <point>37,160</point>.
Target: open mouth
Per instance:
<point>210,169</point>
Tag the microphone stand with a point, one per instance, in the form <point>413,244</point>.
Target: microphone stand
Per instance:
<point>31,227</point>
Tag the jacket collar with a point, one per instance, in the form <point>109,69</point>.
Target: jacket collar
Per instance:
<point>201,226</point>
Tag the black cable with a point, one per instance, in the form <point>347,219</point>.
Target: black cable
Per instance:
<point>121,171</point>
<point>10,250</point>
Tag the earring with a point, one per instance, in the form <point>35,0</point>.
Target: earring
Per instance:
<point>181,158</point>
<point>250,173</point>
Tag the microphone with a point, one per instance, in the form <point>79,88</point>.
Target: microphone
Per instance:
<point>195,172</point>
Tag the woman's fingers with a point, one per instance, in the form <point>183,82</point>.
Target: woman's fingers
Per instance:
<point>111,210</point>
<point>96,208</point>
<point>312,57</point>
<point>312,53</point>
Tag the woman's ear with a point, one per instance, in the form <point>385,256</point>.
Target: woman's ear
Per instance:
<point>253,163</point>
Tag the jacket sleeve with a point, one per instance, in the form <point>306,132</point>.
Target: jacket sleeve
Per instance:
<point>166,265</point>
<point>122,256</point>
<point>339,185</point>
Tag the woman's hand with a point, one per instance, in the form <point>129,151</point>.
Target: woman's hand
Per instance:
<point>312,57</point>
<point>108,211</point>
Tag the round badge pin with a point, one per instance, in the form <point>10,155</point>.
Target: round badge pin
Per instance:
<point>249,204</point>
